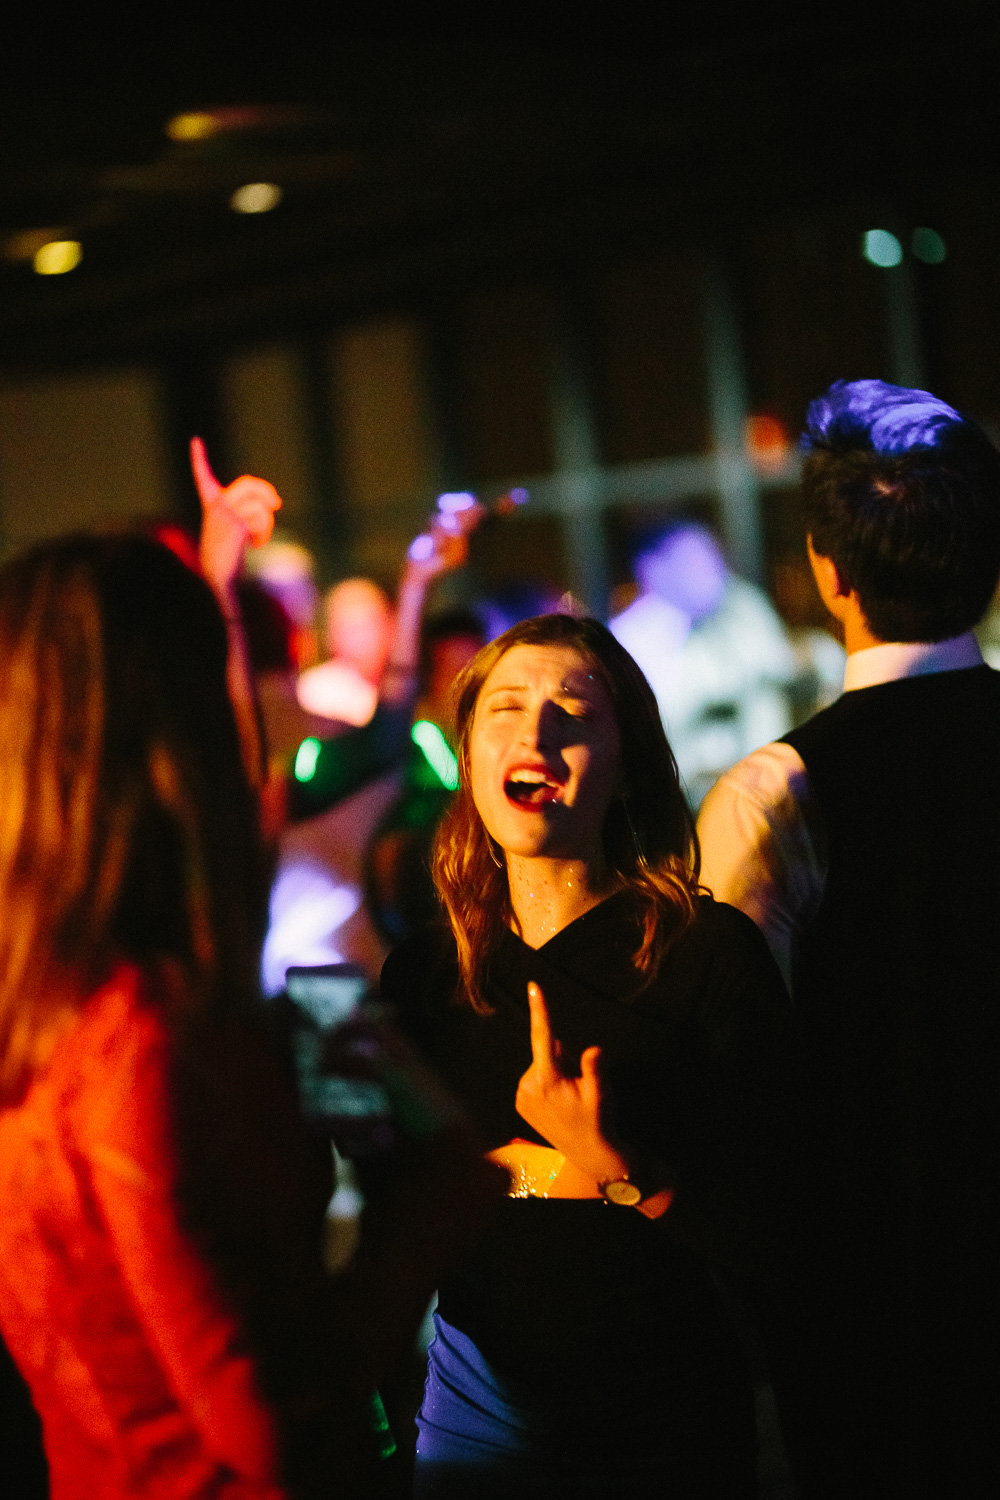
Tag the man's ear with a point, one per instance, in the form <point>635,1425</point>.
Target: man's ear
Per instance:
<point>832,589</point>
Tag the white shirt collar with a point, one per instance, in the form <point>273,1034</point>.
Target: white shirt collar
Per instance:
<point>896,659</point>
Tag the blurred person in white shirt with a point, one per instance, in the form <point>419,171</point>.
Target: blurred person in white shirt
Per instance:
<point>712,648</point>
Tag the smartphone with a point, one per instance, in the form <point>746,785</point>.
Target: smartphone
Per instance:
<point>355,1111</point>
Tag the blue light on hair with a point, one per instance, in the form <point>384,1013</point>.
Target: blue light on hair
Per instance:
<point>873,415</point>
<point>881,248</point>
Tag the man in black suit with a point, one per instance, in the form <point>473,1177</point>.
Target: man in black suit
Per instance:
<point>866,845</point>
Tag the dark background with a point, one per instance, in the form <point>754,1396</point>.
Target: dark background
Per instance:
<point>503,252</point>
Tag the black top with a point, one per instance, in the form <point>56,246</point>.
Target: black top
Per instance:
<point>896,1049</point>
<point>897,986</point>
<point>569,1292</point>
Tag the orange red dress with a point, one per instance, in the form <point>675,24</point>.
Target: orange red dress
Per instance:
<point>136,1365</point>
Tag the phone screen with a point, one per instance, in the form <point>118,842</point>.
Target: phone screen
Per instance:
<point>327,993</point>
<point>356,1110</point>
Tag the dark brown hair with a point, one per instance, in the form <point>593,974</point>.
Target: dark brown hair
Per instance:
<point>127,826</point>
<point>649,838</point>
<point>902,492</point>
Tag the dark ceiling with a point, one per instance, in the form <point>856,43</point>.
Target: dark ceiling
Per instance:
<point>416,158</point>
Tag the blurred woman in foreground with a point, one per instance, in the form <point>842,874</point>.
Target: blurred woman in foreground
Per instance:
<point>612,1031</point>
<point>161,1285</point>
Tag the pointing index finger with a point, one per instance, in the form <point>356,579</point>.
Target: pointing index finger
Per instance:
<point>207,484</point>
<point>542,1050</point>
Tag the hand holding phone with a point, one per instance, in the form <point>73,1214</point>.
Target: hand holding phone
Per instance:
<point>357,1078</point>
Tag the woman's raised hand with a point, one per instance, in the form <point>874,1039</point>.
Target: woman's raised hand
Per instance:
<point>566,1111</point>
<point>232,516</point>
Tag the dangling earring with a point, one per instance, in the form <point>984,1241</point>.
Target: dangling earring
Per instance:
<point>493,854</point>
<point>640,857</point>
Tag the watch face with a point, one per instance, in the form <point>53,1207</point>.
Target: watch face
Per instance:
<point>622,1192</point>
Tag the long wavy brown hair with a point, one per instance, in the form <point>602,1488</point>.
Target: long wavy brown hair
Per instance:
<point>127,825</point>
<point>649,837</point>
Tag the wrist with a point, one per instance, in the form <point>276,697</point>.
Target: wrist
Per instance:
<point>610,1166</point>
<point>637,1184</point>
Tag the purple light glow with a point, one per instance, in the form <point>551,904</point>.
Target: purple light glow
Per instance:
<point>687,569</point>
<point>449,504</point>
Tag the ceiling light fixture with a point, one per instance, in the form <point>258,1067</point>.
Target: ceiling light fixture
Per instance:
<point>57,257</point>
<point>256,198</point>
<point>928,246</point>
<point>881,248</point>
<point>194,125</point>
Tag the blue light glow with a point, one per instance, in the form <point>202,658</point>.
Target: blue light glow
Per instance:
<point>437,752</point>
<point>421,548</point>
<point>305,760</point>
<point>881,248</point>
<point>928,246</point>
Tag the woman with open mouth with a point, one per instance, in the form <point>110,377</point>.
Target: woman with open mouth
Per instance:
<point>613,1031</point>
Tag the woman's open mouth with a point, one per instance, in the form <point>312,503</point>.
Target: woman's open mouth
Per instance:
<point>528,789</point>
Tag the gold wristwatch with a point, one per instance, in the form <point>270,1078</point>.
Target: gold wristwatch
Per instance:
<point>622,1191</point>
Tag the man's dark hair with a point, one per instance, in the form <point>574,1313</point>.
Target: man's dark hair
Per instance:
<point>903,494</point>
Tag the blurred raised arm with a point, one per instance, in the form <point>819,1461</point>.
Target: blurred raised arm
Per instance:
<point>439,550</point>
<point>234,517</point>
